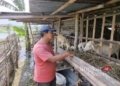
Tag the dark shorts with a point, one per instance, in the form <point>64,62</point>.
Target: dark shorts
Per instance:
<point>52,83</point>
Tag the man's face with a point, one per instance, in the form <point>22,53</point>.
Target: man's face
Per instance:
<point>50,36</point>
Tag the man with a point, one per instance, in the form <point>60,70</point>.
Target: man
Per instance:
<point>45,59</point>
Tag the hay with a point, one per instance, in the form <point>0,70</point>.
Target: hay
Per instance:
<point>99,62</point>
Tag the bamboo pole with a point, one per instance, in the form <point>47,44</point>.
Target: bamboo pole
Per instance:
<point>112,33</point>
<point>59,26</point>
<point>58,32</point>
<point>87,24</point>
<point>31,34</point>
<point>28,45</point>
<point>76,30</point>
<point>81,26</point>
<point>103,27</point>
<point>94,27</point>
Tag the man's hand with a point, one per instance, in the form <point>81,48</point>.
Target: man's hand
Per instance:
<point>68,54</point>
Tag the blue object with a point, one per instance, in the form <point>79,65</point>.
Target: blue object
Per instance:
<point>46,28</point>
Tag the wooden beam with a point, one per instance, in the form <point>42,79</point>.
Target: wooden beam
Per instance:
<point>31,34</point>
<point>80,1</point>
<point>7,15</point>
<point>94,27</point>
<point>81,26</point>
<point>59,26</point>
<point>27,39</point>
<point>32,21</point>
<point>87,26</point>
<point>103,27</point>
<point>76,30</point>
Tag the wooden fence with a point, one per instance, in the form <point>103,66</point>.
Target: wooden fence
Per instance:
<point>8,59</point>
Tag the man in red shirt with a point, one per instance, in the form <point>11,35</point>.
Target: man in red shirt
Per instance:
<point>45,59</point>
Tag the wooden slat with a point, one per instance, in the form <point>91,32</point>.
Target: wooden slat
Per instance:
<point>8,15</point>
<point>76,30</point>
<point>59,26</point>
<point>94,27</point>
<point>81,26</point>
<point>103,26</point>
<point>95,76</point>
<point>87,26</point>
<point>81,1</point>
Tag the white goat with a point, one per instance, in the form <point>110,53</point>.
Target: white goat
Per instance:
<point>81,46</point>
<point>86,46</point>
<point>104,50</point>
<point>89,46</point>
<point>63,42</point>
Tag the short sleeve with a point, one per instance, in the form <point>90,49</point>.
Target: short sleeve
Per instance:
<point>43,53</point>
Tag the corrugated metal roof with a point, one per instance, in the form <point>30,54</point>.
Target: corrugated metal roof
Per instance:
<point>49,6</point>
<point>77,6</point>
<point>44,6</point>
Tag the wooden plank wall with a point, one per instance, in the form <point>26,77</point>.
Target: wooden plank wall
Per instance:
<point>8,59</point>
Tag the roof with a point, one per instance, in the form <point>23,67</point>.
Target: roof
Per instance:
<point>52,10</point>
<point>49,6</point>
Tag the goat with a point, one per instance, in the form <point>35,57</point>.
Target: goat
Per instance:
<point>89,46</point>
<point>63,42</point>
<point>104,50</point>
<point>81,46</point>
<point>86,46</point>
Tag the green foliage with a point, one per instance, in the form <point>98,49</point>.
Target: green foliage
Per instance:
<point>19,30</point>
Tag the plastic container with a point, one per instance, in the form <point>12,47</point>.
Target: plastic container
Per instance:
<point>60,80</point>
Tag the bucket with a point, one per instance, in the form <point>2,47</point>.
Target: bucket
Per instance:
<point>60,80</point>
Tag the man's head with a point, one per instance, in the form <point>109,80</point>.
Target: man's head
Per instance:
<point>47,32</point>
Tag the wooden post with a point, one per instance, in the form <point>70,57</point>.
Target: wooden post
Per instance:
<point>31,34</point>
<point>53,24</point>
<point>112,33</point>
<point>59,26</point>
<point>103,26</point>
<point>87,24</point>
<point>76,30</point>
<point>94,27</point>
<point>58,32</point>
<point>28,45</point>
<point>81,27</point>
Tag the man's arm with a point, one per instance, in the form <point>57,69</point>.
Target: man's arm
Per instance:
<point>59,57</point>
<point>45,55</point>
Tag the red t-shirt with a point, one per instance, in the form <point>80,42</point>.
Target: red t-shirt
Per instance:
<point>44,70</point>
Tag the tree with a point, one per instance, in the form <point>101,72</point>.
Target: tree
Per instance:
<point>19,30</point>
